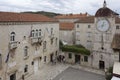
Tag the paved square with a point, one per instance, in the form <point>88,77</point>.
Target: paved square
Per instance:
<point>77,74</point>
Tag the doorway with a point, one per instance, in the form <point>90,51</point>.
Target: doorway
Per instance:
<point>13,76</point>
<point>51,57</point>
<point>77,59</point>
<point>101,64</point>
<point>36,65</point>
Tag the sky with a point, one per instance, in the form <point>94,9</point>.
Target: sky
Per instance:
<point>58,6</point>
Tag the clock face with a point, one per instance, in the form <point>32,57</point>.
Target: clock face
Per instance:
<point>103,25</point>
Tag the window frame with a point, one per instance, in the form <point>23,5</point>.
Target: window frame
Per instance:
<point>117,27</point>
<point>25,51</point>
<point>12,36</point>
<point>36,33</point>
<point>70,55</point>
<point>89,26</point>
<point>78,26</point>
<point>26,69</point>
<point>85,58</point>
<point>39,32</point>
<point>33,33</point>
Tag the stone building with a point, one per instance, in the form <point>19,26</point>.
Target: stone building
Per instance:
<point>67,33</point>
<point>100,34</point>
<point>27,43</point>
<point>70,17</point>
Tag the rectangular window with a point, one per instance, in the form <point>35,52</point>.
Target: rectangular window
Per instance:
<point>26,51</point>
<point>36,33</point>
<point>117,27</point>
<point>26,69</point>
<point>70,55</point>
<point>85,58</point>
<point>77,25</point>
<point>89,44</point>
<point>44,58</point>
<point>89,26</point>
<point>39,32</point>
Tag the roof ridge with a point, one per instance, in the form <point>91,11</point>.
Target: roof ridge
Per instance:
<point>28,17</point>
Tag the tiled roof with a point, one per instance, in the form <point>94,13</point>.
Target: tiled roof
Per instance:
<point>66,26</point>
<point>71,16</point>
<point>105,12</point>
<point>89,19</point>
<point>23,17</point>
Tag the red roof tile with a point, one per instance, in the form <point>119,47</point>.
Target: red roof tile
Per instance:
<point>66,26</point>
<point>71,16</point>
<point>23,17</point>
<point>89,19</point>
<point>105,12</point>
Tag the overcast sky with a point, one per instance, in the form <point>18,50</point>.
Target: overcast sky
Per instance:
<point>58,6</point>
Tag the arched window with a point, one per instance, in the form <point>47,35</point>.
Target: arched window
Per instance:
<point>12,36</point>
<point>25,51</point>
<point>39,32</point>
<point>36,33</point>
<point>33,33</point>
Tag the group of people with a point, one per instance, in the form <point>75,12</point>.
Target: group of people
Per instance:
<point>61,58</point>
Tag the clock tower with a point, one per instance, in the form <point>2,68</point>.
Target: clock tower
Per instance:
<point>103,55</point>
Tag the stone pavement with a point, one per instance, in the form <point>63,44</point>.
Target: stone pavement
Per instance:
<point>78,74</point>
<point>89,69</point>
<point>50,71</point>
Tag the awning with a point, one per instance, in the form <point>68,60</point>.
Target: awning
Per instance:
<point>115,78</point>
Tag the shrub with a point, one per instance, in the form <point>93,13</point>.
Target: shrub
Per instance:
<point>75,49</point>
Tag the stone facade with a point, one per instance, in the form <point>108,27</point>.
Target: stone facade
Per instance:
<point>73,58</point>
<point>99,42</point>
<point>26,47</point>
<point>84,34</point>
<point>67,33</point>
<point>104,47</point>
<point>67,36</point>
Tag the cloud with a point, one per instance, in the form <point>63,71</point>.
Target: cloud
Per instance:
<point>59,6</point>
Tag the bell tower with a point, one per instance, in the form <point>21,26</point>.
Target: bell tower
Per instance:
<point>103,35</point>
